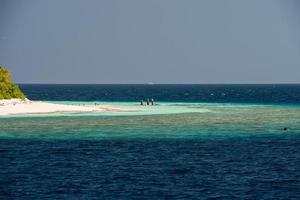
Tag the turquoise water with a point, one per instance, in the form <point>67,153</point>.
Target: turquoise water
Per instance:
<point>166,120</point>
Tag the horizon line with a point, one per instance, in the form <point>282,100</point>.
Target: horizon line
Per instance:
<point>274,83</point>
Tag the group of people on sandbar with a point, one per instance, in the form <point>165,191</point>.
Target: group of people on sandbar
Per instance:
<point>148,102</point>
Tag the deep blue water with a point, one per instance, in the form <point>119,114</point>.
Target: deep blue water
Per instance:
<point>282,94</point>
<point>227,155</point>
<point>261,168</point>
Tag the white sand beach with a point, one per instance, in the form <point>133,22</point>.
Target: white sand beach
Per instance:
<point>27,107</point>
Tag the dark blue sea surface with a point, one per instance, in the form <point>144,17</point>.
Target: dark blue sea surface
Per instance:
<point>245,168</point>
<point>230,151</point>
<point>282,94</point>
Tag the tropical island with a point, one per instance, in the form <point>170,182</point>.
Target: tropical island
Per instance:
<point>14,102</point>
<point>9,90</point>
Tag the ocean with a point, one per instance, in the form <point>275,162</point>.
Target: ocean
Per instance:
<point>197,142</point>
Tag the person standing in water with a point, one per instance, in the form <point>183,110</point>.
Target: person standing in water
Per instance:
<point>142,102</point>
<point>148,102</point>
<point>152,101</point>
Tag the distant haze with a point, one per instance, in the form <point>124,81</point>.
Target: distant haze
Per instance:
<point>159,41</point>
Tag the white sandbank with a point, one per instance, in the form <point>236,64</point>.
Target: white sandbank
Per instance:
<point>27,107</point>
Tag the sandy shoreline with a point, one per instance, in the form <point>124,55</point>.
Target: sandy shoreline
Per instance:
<point>26,107</point>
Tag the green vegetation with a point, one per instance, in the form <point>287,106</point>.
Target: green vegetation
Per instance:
<point>8,89</point>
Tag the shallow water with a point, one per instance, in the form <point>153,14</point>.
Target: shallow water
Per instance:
<point>167,120</point>
<point>174,150</point>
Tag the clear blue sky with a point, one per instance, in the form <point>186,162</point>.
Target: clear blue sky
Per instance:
<point>160,41</point>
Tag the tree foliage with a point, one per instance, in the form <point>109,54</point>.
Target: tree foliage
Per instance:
<point>8,89</point>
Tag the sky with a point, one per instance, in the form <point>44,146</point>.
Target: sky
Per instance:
<point>159,41</point>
